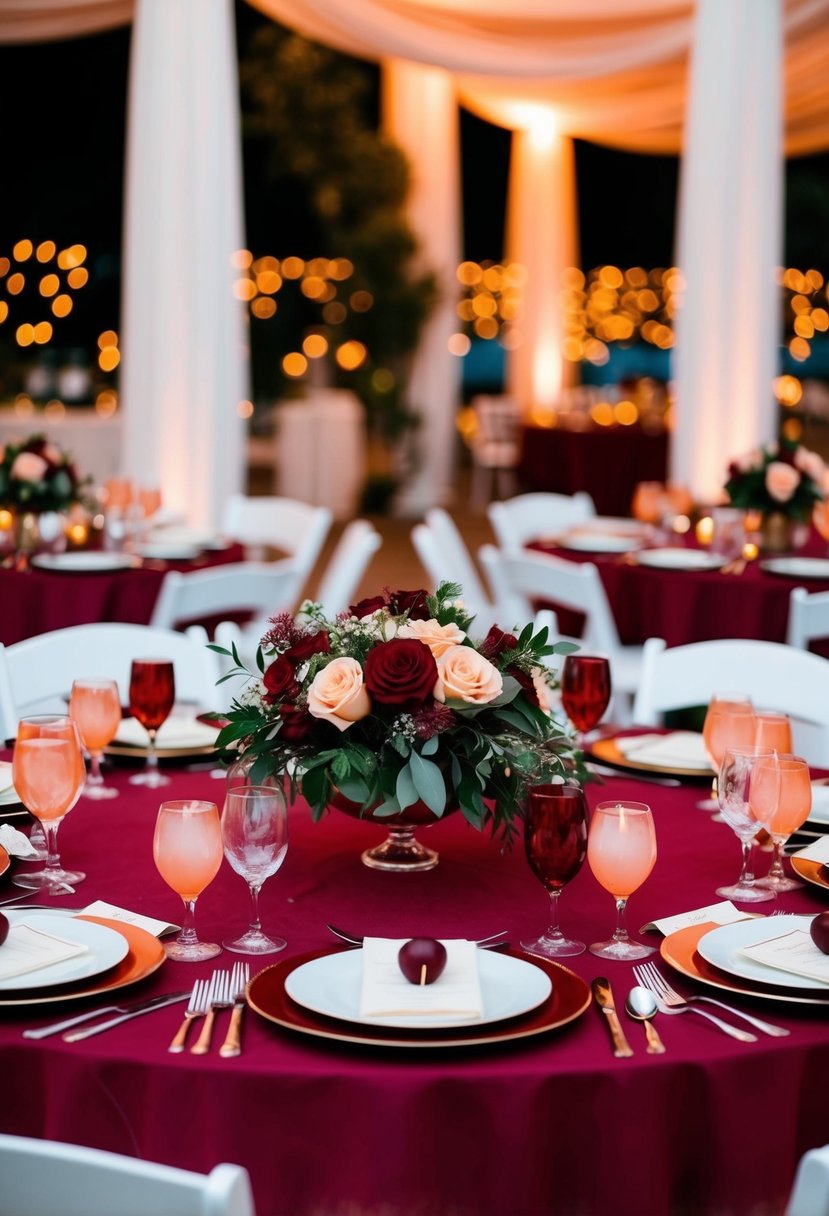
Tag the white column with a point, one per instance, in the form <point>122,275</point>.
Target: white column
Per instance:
<point>730,242</point>
<point>184,342</point>
<point>420,113</point>
<point>542,236</point>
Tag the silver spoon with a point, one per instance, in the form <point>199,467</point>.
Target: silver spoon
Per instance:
<point>641,1005</point>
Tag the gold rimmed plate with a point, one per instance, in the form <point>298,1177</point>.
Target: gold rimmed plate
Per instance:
<point>4,860</point>
<point>814,872</point>
<point>607,751</point>
<point>267,996</point>
<point>679,950</point>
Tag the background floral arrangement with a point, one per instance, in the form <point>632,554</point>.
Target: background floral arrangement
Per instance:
<point>37,476</point>
<point>393,703</point>
<point>780,477</point>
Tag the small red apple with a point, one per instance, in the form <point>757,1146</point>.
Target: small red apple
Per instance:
<point>819,930</point>
<point>422,960</point>
<point>4,928</point>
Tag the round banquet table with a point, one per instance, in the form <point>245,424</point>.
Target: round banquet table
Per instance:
<point>684,606</point>
<point>548,1126</point>
<point>37,601</point>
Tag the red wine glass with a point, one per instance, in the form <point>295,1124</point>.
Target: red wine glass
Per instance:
<point>152,695</point>
<point>555,839</point>
<point>585,690</point>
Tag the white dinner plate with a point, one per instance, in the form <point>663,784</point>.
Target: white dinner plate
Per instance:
<point>797,567</point>
<point>599,542</point>
<point>820,805</point>
<point>105,948</point>
<point>721,947</point>
<point>161,551</point>
<point>331,986</point>
<point>175,537</point>
<point>618,525</point>
<point>85,561</point>
<point>8,794</point>
<point>681,559</point>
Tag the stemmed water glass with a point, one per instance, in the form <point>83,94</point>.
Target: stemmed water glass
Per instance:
<point>729,721</point>
<point>747,808</point>
<point>152,696</point>
<point>621,852</point>
<point>555,840</point>
<point>255,839</point>
<point>187,850</point>
<point>585,690</point>
<point>794,803</point>
<point>48,774</point>
<point>95,707</point>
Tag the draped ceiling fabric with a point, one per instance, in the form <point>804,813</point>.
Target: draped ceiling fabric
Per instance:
<point>612,71</point>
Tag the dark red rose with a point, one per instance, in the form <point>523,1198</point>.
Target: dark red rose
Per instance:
<point>496,642</point>
<point>526,683</point>
<point>366,607</point>
<point>413,602</point>
<point>401,672</point>
<point>297,723</point>
<point>280,681</point>
<point>308,645</point>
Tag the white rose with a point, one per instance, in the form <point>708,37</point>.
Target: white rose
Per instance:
<point>465,675</point>
<point>437,637</point>
<point>337,694</point>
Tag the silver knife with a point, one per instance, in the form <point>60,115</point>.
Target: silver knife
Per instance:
<point>604,998</point>
<point>75,1035</point>
<point>602,770</point>
<point>129,1007</point>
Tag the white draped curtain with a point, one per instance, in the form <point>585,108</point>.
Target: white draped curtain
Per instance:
<point>613,71</point>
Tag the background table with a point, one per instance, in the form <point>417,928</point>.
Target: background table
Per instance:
<point>553,1126</point>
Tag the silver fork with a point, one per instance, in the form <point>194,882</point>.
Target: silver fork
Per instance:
<point>647,980</point>
<point>661,988</point>
<point>196,1007</point>
<point>219,997</point>
<point>240,975</point>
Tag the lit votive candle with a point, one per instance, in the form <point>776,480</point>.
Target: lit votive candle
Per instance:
<point>77,535</point>
<point>704,530</point>
<point>750,551</point>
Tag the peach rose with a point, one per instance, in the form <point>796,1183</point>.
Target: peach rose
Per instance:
<point>53,454</point>
<point>28,467</point>
<point>810,464</point>
<point>781,480</point>
<point>542,689</point>
<point>437,637</point>
<point>752,460</point>
<point>465,675</point>
<point>337,694</point>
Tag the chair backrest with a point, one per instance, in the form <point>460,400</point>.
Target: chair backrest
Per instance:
<point>516,521</point>
<point>258,588</point>
<point>445,557</point>
<point>36,674</point>
<point>347,565</point>
<point>810,1193</point>
<point>498,420</point>
<point>775,676</point>
<point>297,528</point>
<point>46,1178</point>
<point>808,617</point>
<point>520,580</point>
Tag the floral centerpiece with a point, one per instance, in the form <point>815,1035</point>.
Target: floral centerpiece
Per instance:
<point>38,476</point>
<point>394,712</point>
<point>780,478</point>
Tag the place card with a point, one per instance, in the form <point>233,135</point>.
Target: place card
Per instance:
<point>29,949</point>
<point>724,913</point>
<point>818,850</point>
<point>158,928</point>
<point>793,952</point>
<point>15,843</point>
<point>386,992</point>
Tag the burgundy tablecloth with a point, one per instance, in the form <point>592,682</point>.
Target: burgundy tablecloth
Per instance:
<point>555,1125</point>
<point>36,601</point>
<point>607,462</point>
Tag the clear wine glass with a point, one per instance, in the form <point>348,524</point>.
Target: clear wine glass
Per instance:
<point>255,839</point>
<point>555,840</point>
<point>744,814</point>
<point>48,774</point>
<point>794,802</point>
<point>152,696</point>
<point>729,720</point>
<point>95,707</point>
<point>187,850</point>
<point>585,691</point>
<point>621,852</point>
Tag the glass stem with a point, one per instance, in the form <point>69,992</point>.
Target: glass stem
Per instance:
<point>188,937</point>
<point>620,933</point>
<point>152,756</point>
<point>255,922</point>
<point>776,871</point>
<point>94,777</point>
<point>53,856</point>
<point>554,929</point>
<point>746,878</point>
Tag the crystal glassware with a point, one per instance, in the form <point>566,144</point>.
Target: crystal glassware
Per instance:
<point>788,776</point>
<point>95,707</point>
<point>555,841</point>
<point>152,696</point>
<point>255,840</point>
<point>729,720</point>
<point>745,813</point>
<point>48,774</point>
<point>585,690</point>
<point>621,852</point>
<point>187,850</point>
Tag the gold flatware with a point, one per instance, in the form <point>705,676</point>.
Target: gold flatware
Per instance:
<point>232,1045</point>
<point>604,998</point>
<point>218,997</point>
<point>196,1007</point>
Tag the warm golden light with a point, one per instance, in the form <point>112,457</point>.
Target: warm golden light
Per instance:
<point>361,301</point>
<point>15,283</point>
<point>22,251</point>
<point>106,403</point>
<point>109,359</point>
<point>244,289</point>
<point>295,364</point>
<point>108,338</point>
<point>792,429</point>
<point>788,390</point>
<point>485,327</point>
<point>313,286</point>
<point>245,409</point>
<point>351,355</point>
<point>268,282</point>
<point>315,346</point>
<point>78,277</point>
<point>334,313</point>
<point>602,413</point>
<point>263,307</point>
<point>340,268</point>
<point>459,345</point>
<point>382,380</point>
<point>49,284</point>
<point>43,332</point>
<point>750,551</point>
<point>625,413</point>
<point>71,257</point>
<point>54,410</point>
<point>241,259</point>
<point>6,520</point>
<point>45,251</point>
<point>292,268</point>
<point>4,311</point>
<point>704,530</point>
<point>62,305</point>
<point>469,273</point>
<point>25,334</point>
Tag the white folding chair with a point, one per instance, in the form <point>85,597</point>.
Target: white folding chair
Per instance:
<point>810,1193</point>
<point>445,557</point>
<point>46,1178</point>
<point>516,521</point>
<point>259,588</point>
<point>296,528</point>
<point>36,674</point>
<point>775,676</point>
<point>495,445</point>
<point>347,565</point>
<point>808,617</point>
<point>519,580</point>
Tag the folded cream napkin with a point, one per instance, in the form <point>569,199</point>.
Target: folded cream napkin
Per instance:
<point>794,953</point>
<point>818,850</point>
<point>29,949</point>
<point>386,992</point>
<point>680,748</point>
<point>14,842</point>
<point>175,732</point>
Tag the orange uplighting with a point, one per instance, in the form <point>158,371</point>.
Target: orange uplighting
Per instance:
<point>351,355</point>
<point>78,277</point>
<point>268,281</point>
<point>469,273</point>
<point>788,390</point>
<point>292,268</point>
<point>49,284</point>
<point>340,268</point>
<point>625,413</point>
<point>109,359</point>
<point>295,364</point>
<point>315,346</point>
<point>25,334</point>
<point>43,332</point>
<point>22,251</point>
<point>263,307</point>
<point>602,413</point>
<point>4,311</point>
<point>45,251</point>
<point>62,305</point>
<point>313,287</point>
<point>108,338</point>
<point>75,255</point>
<point>15,283</point>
